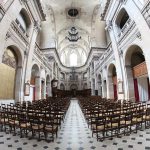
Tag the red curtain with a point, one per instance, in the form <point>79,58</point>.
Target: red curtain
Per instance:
<point>148,88</point>
<point>136,91</point>
<point>115,92</point>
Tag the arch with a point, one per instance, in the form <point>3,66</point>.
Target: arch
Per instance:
<point>112,82</point>
<point>62,87</point>
<point>122,18</point>
<point>74,87</point>
<point>85,86</point>
<point>35,82</point>
<point>11,74</point>
<point>137,81</point>
<point>73,59</point>
<point>24,21</point>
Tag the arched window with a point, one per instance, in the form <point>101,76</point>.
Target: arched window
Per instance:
<point>23,21</point>
<point>73,59</point>
<point>83,57</point>
<point>122,18</point>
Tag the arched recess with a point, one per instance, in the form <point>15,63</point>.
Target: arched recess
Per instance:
<point>99,85</point>
<point>11,74</point>
<point>24,22</point>
<point>85,86</point>
<point>35,82</point>
<point>73,87</point>
<point>48,86</point>
<point>121,20</point>
<point>112,82</point>
<point>62,87</point>
<point>137,75</point>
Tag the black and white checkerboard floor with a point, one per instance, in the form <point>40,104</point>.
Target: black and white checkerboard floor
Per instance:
<point>75,135</point>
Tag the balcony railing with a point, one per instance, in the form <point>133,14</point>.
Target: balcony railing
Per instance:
<point>24,37</point>
<point>127,29</point>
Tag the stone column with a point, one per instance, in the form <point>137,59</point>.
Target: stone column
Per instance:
<point>49,92</point>
<point>130,82</point>
<point>37,88</point>
<point>110,92</point>
<point>18,85</point>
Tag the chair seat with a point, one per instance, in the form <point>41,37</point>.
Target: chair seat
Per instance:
<point>14,122</point>
<point>113,125</point>
<point>24,125</point>
<point>4,120</point>
<point>100,127</point>
<point>50,128</point>
<point>125,122</point>
<point>37,127</point>
<point>146,117</point>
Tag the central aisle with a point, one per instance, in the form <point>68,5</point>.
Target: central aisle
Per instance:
<point>75,135</point>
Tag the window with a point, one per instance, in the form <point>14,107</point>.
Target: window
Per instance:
<point>122,18</point>
<point>73,59</point>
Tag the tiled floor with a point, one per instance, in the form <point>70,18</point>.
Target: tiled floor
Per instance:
<point>75,135</point>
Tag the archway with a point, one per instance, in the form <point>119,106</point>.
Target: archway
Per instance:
<point>85,86</point>
<point>62,87</point>
<point>8,71</point>
<point>11,74</point>
<point>35,83</point>
<point>112,82</point>
<point>137,76</point>
<point>74,89</point>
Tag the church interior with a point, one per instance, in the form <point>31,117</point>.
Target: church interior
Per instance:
<point>74,74</point>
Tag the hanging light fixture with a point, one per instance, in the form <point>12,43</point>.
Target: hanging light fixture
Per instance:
<point>73,35</point>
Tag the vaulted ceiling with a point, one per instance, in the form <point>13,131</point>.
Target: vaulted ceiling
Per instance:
<point>58,23</point>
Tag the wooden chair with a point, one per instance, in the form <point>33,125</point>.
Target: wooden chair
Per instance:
<point>100,127</point>
<point>147,118</point>
<point>36,124</point>
<point>50,126</point>
<point>24,124</point>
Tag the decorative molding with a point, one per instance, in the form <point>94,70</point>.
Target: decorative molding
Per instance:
<point>8,35</point>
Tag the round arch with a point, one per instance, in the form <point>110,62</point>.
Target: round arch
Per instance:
<point>136,74</point>
<point>11,74</point>
<point>112,81</point>
<point>62,87</point>
<point>35,82</point>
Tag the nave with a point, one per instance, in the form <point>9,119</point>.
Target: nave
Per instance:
<point>74,134</point>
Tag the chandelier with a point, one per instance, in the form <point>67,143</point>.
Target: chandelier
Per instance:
<point>73,35</point>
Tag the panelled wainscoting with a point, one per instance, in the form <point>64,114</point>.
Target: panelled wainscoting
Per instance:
<point>74,134</point>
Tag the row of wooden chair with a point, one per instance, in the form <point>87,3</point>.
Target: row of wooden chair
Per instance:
<point>43,116</point>
<point>115,118</point>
